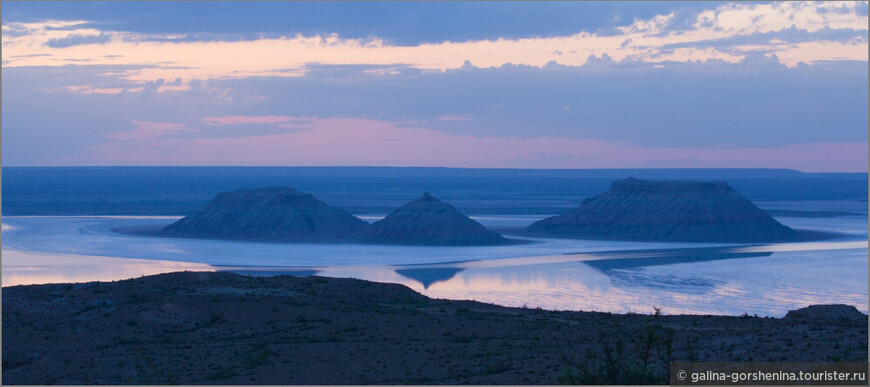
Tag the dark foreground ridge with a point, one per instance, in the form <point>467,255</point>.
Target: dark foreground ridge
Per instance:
<point>667,211</point>
<point>222,328</point>
<point>429,221</point>
<point>277,214</point>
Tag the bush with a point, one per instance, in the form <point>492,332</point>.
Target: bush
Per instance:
<point>646,364</point>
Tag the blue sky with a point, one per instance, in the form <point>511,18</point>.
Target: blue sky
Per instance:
<point>462,84</point>
<point>403,23</point>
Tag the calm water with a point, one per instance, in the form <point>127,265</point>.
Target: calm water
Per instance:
<point>549,273</point>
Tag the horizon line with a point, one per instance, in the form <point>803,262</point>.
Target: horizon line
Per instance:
<point>431,167</point>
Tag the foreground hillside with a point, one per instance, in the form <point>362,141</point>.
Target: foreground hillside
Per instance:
<point>220,328</point>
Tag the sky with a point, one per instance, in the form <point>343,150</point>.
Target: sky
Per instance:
<point>456,84</point>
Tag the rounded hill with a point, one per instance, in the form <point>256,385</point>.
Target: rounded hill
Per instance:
<point>684,211</point>
<point>429,221</point>
<point>280,214</point>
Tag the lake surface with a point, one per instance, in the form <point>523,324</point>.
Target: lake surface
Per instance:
<point>555,274</point>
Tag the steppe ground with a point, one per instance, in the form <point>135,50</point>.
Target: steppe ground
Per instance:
<point>222,328</point>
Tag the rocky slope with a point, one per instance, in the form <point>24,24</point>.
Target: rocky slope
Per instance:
<point>220,328</point>
<point>685,211</point>
<point>268,214</point>
<point>429,221</point>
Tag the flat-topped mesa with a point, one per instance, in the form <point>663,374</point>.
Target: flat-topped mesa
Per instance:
<point>684,211</point>
<point>279,214</point>
<point>429,221</point>
<point>637,185</point>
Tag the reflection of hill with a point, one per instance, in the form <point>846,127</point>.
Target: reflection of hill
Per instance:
<point>626,272</point>
<point>671,283</point>
<point>698,255</point>
<point>427,277</point>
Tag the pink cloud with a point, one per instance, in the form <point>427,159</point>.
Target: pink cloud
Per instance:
<point>87,89</point>
<point>147,130</point>
<point>236,120</point>
<point>345,141</point>
<point>454,118</point>
<point>652,40</point>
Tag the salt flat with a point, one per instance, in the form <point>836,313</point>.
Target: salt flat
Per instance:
<point>767,280</point>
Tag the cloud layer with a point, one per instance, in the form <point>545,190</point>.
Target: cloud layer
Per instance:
<point>740,29</point>
<point>780,85</point>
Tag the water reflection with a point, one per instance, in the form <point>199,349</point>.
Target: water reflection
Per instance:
<point>626,273</point>
<point>624,261</point>
<point>605,276</point>
<point>26,268</point>
<point>427,277</point>
<point>267,271</point>
<point>642,279</point>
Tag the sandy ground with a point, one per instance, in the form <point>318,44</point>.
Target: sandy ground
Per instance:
<point>222,328</point>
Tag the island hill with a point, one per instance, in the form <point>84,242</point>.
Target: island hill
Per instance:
<point>668,211</point>
<point>281,214</point>
<point>429,221</point>
<point>277,214</point>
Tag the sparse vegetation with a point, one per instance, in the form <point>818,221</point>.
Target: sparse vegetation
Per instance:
<point>179,329</point>
<point>646,364</point>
